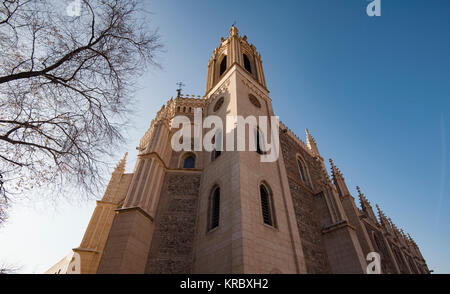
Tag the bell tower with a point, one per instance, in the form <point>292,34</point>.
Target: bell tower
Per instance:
<point>253,220</point>
<point>234,50</point>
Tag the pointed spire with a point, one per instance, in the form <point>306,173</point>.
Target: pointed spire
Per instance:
<point>394,227</point>
<point>122,164</point>
<point>403,233</point>
<point>412,241</point>
<point>335,171</point>
<point>362,199</point>
<point>338,180</point>
<point>380,213</point>
<point>384,220</point>
<point>365,205</point>
<point>409,239</point>
<point>311,143</point>
<point>404,237</point>
<point>391,223</point>
<point>114,182</point>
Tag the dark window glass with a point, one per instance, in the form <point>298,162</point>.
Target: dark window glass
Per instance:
<point>215,209</point>
<point>258,142</point>
<point>247,64</point>
<point>302,171</point>
<point>216,153</point>
<point>223,65</point>
<point>189,162</point>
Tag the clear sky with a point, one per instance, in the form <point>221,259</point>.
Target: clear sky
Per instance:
<point>375,93</point>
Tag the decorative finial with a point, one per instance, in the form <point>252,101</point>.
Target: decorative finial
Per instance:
<point>362,198</point>
<point>335,170</point>
<point>311,143</point>
<point>122,164</point>
<point>381,215</point>
<point>380,212</point>
<point>402,233</point>
<point>359,190</point>
<point>234,31</point>
<point>180,88</point>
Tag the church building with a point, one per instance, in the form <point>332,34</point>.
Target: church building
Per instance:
<point>211,212</point>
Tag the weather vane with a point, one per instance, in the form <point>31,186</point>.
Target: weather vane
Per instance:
<point>180,87</point>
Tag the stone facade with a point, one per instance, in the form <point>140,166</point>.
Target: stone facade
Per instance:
<point>173,243</point>
<point>158,218</point>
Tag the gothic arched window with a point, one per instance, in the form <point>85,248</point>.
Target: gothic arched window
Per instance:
<point>214,209</point>
<point>267,206</point>
<point>189,162</point>
<point>223,65</point>
<point>303,171</point>
<point>247,65</point>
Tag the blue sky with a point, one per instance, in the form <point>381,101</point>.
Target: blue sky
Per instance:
<point>375,93</point>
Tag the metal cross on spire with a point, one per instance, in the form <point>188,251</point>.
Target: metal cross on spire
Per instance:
<point>180,87</point>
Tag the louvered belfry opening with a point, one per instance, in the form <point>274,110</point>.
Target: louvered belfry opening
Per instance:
<point>223,66</point>
<point>266,206</point>
<point>247,64</point>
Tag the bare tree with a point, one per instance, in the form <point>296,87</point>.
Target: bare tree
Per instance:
<point>65,86</point>
<point>3,202</point>
<point>8,268</point>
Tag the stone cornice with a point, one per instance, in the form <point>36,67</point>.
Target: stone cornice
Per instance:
<point>139,209</point>
<point>166,168</point>
<point>337,226</point>
<point>85,250</point>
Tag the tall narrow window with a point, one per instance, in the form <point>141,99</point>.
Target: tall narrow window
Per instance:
<point>247,64</point>
<point>267,206</point>
<point>189,162</point>
<point>303,172</point>
<point>223,65</point>
<point>218,146</point>
<point>214,211</point>
<point>215,154</point>
<point>258,138</point>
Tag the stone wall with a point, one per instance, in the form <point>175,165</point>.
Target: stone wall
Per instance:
<point>306,212</point>
<point>172,245</point>
<point>310,230</point>
<point>380,246</point>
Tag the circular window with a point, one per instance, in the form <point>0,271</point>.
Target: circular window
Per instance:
<point>219,104</point>
<point>254,100</point>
